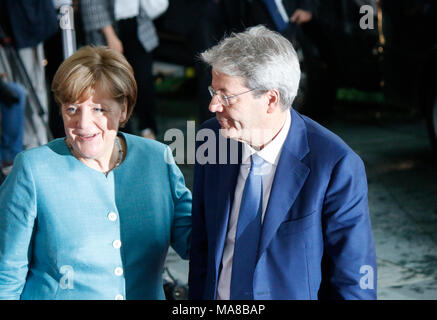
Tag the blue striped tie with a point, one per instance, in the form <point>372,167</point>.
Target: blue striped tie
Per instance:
<point>248,234</point>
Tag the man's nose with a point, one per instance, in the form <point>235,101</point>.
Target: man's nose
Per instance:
<point>215,105</point>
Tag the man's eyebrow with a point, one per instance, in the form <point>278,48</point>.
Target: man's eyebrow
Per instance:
<point>222,90</point>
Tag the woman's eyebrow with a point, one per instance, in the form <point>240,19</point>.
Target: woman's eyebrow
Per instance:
<point>91,104</point>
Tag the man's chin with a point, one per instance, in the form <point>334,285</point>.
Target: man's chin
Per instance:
<point>242,136</point>
<point>229,133</point>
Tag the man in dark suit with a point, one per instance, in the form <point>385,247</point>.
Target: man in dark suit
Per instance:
<point>247,13</point>
<point>279,203</point>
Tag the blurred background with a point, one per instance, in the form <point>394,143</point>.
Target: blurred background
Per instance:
<point>368,74</point>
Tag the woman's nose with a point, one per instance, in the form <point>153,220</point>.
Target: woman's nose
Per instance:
<point>84,119</point>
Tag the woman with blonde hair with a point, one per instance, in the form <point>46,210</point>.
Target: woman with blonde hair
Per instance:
<point>91,215</point>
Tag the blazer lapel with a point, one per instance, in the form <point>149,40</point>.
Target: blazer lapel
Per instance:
<point>290,176</point>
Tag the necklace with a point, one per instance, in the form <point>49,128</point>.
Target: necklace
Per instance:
<point>120,153</point>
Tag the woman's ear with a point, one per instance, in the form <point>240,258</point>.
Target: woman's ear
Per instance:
<point>123,115</point>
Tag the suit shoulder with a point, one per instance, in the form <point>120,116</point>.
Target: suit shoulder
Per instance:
<point>140,143</point>
<point>210,124</point>
<point>148,151</point>
<point>45,152</point>
<point>324,141</point>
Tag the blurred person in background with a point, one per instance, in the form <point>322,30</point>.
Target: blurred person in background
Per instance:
<point>12,107</point>
<point>298,11</point>
<point>246,13</point>
<point>29,24</point>
<point>124,26</point>
<point>92,215</point>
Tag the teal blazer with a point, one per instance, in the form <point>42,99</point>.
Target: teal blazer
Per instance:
<point>70,232</point>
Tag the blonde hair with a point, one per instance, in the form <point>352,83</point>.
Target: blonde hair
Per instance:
<point>95,67</point>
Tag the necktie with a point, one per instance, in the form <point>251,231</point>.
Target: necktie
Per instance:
<point>248,234</point>
<point>277,13</point>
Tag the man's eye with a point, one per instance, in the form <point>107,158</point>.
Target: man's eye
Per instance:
<point>99,110</point>
<point>230,99</point>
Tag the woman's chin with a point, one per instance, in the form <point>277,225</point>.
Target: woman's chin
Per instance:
<point>87,152</point>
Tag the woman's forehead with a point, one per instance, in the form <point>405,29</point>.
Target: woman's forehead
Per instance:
<point>96,92</point>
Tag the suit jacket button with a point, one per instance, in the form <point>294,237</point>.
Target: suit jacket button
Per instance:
<point>116,244</point>
<point>118,271</point>
<point>112,216</point>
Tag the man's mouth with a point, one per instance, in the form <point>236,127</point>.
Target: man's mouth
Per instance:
<point>223,122</point>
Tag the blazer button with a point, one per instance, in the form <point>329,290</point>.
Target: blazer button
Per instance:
<point>116,244</point>
<point>112,216</point>
<point>118,271</point>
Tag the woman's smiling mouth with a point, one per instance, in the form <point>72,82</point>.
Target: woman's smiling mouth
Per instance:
<point>87,137</point>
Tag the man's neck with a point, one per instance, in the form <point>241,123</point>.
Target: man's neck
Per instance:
<point>272,133</point>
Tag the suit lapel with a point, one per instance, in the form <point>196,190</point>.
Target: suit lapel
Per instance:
<point>227,181</point>
<point>290,176</point>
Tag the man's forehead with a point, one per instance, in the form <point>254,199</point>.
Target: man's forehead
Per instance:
<point>219,73</point>
<point>225,78</point>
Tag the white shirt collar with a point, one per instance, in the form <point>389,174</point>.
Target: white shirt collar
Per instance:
<point>272,150</point>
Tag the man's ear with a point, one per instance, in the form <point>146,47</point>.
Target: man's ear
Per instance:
<point>273,99</point>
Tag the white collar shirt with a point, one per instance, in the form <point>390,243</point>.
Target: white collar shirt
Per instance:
<point>126,9</point>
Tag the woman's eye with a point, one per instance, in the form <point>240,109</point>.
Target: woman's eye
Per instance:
<point>71,110</point>
<point>99,110</point>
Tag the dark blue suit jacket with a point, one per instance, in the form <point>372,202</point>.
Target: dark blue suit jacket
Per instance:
<point>316,240</point>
